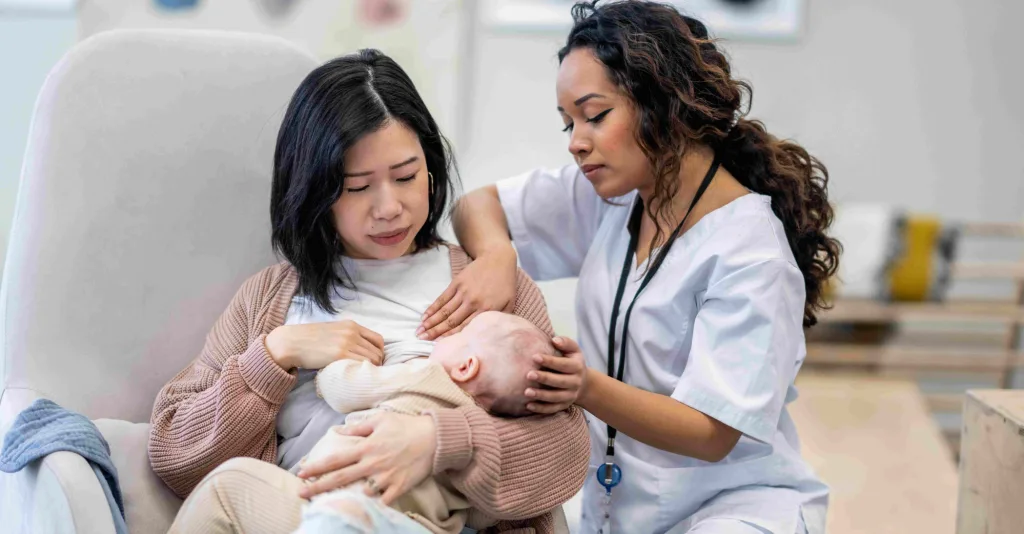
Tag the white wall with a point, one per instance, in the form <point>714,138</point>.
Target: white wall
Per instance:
<point>30,44</point>
<point>425,41</point>
<point>913,102</point>
<point>917,100</point>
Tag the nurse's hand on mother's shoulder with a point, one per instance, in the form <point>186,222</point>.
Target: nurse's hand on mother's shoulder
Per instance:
<point>563,379</point>
<point>317,345</point>
<point>486,284</point>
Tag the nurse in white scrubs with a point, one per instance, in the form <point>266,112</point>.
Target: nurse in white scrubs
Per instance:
<point>699,242</point>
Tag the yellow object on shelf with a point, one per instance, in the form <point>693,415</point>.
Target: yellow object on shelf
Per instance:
<point>910,277</point>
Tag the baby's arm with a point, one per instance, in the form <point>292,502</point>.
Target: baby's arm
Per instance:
<point>350,385</point>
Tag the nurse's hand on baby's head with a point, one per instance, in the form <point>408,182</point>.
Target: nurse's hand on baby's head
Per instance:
<point>491,359</point>
<point>562,378</point>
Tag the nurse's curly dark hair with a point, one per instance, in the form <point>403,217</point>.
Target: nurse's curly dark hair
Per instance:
<point>684,92</point>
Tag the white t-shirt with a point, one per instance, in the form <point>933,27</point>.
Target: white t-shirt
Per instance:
<point>719,328</point>
<point>390,297</point>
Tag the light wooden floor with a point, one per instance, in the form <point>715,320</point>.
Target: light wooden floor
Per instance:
<point>873,442</point>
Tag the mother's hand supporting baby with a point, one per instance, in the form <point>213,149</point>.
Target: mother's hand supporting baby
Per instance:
<point>397,454</point>
<point>317,345</point>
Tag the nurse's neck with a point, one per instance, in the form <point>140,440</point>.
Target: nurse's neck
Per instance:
<point>696,162</point>
<point>692,169</point>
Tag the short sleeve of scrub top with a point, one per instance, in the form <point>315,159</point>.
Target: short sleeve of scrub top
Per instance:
<point>745,347</point>
<point>553,216</point>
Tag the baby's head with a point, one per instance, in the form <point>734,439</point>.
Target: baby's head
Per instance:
<point>490,359</point>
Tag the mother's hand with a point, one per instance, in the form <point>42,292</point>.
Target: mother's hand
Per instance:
<point>487,284</point>
<point>317,345</point>
<point>397,454</point>
<point>564,378</point>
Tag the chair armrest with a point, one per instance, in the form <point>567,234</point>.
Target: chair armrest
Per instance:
<point>61,494</point>
<point>149,505</point>
<point>561,525</point>
<point>58,494</point>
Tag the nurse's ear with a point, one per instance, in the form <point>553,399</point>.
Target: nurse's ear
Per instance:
<point>467,370</point>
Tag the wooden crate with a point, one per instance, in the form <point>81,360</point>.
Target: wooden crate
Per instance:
<point>992,463</point>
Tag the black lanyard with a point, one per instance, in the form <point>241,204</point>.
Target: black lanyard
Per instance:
<point>634,230</point>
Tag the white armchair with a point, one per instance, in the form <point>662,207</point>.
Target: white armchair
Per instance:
<point>143,206</point>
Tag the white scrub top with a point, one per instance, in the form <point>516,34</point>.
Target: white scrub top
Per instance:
<point>718,328</point>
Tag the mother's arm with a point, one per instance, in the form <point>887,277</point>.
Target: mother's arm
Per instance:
<point>512,468</point>
<point>225,403</point>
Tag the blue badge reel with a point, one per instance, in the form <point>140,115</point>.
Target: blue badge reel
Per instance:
<point>609,482</point>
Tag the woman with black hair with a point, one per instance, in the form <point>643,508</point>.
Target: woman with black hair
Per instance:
<point>700,245</point>
<point>362,177</point>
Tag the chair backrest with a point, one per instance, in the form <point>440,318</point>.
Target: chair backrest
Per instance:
<point>143,206</point>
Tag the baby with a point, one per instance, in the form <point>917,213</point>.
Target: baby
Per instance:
<point>485,364</point>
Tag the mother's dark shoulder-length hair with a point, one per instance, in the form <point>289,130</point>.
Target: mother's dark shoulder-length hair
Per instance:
<point>332,109</point>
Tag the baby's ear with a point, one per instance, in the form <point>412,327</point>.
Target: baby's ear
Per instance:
<point>467,370</point>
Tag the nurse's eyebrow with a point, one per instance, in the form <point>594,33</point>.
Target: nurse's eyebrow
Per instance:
<point>579,101</point>
<point>413,159</point>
